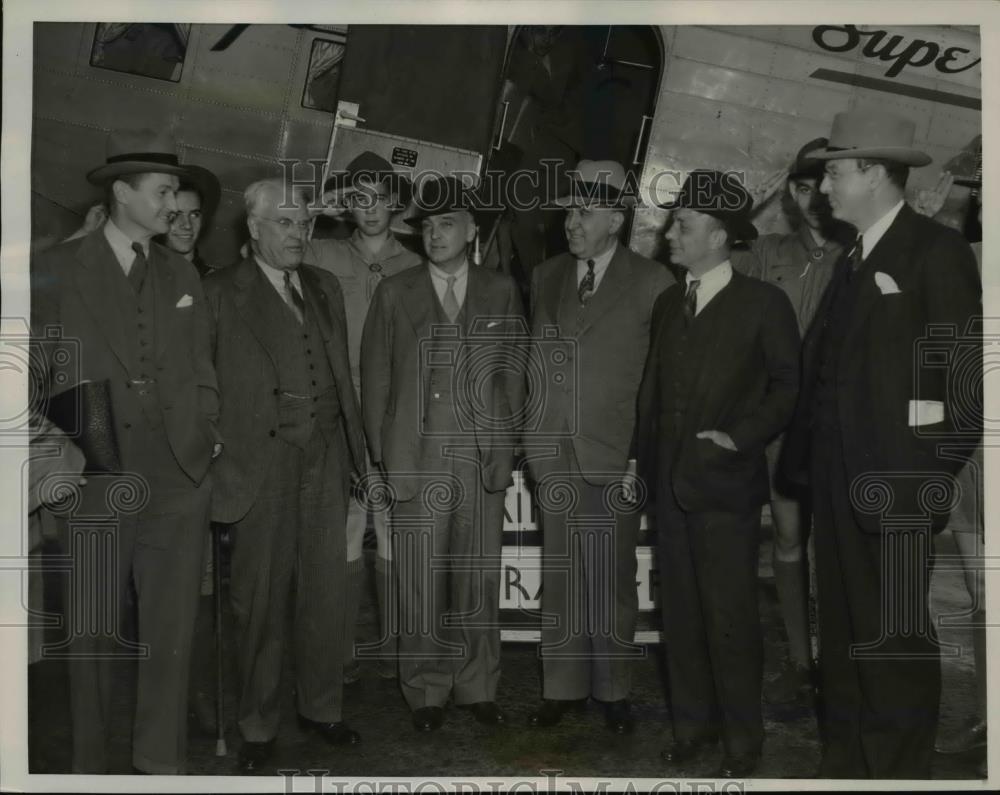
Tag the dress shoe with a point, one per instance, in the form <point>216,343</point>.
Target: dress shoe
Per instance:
<point>428,719</point>
<point>680,751</point>
<point>968,738</point>
<point>551,711</point>
<point>338,733</point>
<point>618,716</point>
<point>486,712</point>
<point>738,765</point>
<point>254,757</point>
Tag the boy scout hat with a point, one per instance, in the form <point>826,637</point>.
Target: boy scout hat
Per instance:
<point>806,165</point>
<point>371,168</point>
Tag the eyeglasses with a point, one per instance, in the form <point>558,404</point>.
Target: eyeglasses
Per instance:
<point>287,224</point>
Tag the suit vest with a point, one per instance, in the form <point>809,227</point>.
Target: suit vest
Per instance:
<point>444,397</point>
<point>841,309</point>
<point>307,392</point>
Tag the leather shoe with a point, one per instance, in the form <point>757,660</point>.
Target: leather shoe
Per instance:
<point>551,711</point>
<point>486,712</point>
<point>681,751</point>
<point>428,719</point>
<point>338,733</point>
<point>253,758</point>
<point>738,765</point>
<point>618,716</point>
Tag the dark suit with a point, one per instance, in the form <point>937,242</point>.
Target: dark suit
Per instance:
<point>290,411</point>
<point>587,418</point>
<point>153,348</point>
<point>732,368</point>
<point>877,484</point>
<point>432,429</point>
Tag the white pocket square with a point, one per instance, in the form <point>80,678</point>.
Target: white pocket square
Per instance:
<point>492,323</point>
<point>924,412</point>
<point>186,300</point>
<point>886,284</point>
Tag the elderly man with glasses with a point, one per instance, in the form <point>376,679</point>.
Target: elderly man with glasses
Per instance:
<point>289,406</point>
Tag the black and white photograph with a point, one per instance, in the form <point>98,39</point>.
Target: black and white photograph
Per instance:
<point>498,395</point>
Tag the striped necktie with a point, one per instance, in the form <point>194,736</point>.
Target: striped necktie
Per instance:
<point>297,305</point>
<point>137,273</point>
<point>586,288</point>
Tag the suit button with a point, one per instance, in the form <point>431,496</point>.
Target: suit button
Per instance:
<point>128,425</point>
<point>312,367</point>
<point>308,350</point>
<point>271,433</point>
<point>276,391</point>
<point>312,413</point>
<point>128,384</point>
<point>314,383</point>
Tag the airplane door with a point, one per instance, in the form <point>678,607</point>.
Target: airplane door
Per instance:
<point>437,83</point>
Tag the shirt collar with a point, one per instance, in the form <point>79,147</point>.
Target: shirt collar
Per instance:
<point>721,272</point>
<point>390,248</point>
<point>437,273</point>
<point>276,276</point>
<point>601,261</point>
<point>874,233</point>
<point>121,243</point>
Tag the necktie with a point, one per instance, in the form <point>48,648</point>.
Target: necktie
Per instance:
<point>450,303</point>
<point>857,255</point>
<point>586,288</point>
<point>137,273</point>
<point>691,299</point>
<point>298,306</point>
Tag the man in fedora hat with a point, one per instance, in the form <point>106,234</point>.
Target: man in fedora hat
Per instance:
<point>138,314</point>
<point>801,264</point>
<point>198,194</point>
<point>599,296</point>
<point>720,384</point>
<point>872,415</point>
<point>442,391</point>
<point>290,413</point>
<point>372,193</point>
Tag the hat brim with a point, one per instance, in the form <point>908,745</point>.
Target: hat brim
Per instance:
<point>209,186</point>
<point>102,175</point>
<point>417,220</point>
<point>624,203</point>
<point>897,154</point>
<point>740,228</point>
<point>399,184</point>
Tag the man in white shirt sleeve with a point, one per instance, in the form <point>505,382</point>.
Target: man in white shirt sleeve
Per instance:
<point>890,408</point>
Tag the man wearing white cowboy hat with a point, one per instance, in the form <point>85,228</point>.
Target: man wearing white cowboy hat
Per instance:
<point>599,295</point>
<point>881,414</point>
<point>372,193</point>
<point>138,314</point>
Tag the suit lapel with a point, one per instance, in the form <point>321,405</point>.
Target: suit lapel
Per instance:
<point>477,298</point>
<point>565,295</point>
<point>727,311</point>
<point>164,297</point>
<point>616,279</point>
<point>251,302</point>
<point>418,301</point>
<point>317,302</point>
<point>889,257</point>
<point>97,286</point>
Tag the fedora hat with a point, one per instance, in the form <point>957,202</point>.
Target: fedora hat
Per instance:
<point>721,195</point>
<point>599,183</point>
<point>440,195</point>
<point>207,185</point>
<point>805,163</point>
<point>137,152</point>
<point>374,169</point>
<point>874,134</point>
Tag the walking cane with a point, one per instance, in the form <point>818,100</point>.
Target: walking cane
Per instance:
<point>220,726</point>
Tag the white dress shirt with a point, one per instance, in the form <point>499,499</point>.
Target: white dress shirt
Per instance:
<point>710,283</point>
<point>874,233</point>
<point>121,245</point>
<point>601,263</point>
<point>276,276</point>
<point>439,279</point>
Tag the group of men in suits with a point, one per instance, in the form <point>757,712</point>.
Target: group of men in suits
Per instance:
<point>665,395</point>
